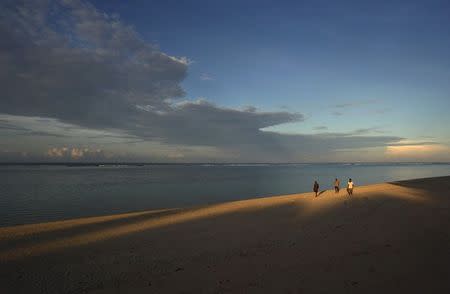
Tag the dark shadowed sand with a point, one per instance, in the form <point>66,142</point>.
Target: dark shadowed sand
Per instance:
<point>386,238</point>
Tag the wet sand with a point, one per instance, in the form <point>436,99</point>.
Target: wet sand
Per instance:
<point>386,238</point>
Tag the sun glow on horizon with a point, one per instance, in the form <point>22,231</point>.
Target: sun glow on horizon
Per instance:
<point>418,151</point>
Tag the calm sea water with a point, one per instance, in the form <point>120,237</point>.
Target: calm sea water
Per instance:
<point>30,194</point>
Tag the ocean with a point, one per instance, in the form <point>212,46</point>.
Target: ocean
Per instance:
<point>32,194</point>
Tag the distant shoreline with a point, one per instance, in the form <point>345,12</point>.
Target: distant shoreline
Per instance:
<point>209,163</point>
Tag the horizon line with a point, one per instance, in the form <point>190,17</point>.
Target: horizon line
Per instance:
<point>211,163</point>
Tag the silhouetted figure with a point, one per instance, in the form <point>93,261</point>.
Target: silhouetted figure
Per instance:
<point>350,185</point>
<point>316,187</point>
<point>337,183</point>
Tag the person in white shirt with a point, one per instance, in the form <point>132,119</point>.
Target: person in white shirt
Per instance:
<point>350,185</point>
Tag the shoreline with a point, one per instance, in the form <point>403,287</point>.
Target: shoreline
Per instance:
<point>30,225</point>
<point>354,243</point>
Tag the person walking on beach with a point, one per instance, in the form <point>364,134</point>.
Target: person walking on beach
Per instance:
<point>316,187</point>
<point>337,183</point>
<point>350,185</point>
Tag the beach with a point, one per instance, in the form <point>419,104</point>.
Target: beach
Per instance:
<point>385,238</point>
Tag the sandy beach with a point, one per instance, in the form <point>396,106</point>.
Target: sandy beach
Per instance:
<point>386,238</point>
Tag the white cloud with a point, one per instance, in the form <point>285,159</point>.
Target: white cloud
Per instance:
<point>75,153</point>
<point>206,77</point>
<point>183,60</point>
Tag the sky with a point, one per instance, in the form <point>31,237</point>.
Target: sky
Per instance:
<point>224,81</point>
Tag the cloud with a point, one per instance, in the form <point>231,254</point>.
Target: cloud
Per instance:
<point>323,147</point>
<point>45,134</point>
<point>364,131</point>
<point>94,71</point>
<point>348,106</point>
<point>6,125</point>
<point>357,132</point>
<point>67,60</point>
<point>413,144</point>
<point>381,110</point>
<point>57,152</point>
<point>218,125</point>
<point>418,151</point>
<point>85,74</point>
<point>206,77</point>
<point>355,103</point>
<point>175,155</point>
<point>74,153</point>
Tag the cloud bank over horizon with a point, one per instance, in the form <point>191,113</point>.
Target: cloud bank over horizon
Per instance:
<point>85,85</point>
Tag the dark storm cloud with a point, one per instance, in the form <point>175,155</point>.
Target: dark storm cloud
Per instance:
<point>67,61</point>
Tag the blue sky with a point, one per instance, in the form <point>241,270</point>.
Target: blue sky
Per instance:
<point>308,55</point>
<point>341,73</point>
